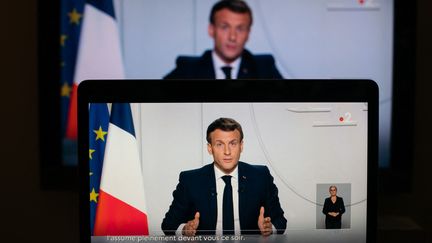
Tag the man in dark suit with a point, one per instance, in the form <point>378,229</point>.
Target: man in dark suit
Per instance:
<point>226,196</point>
<point>230,24</point>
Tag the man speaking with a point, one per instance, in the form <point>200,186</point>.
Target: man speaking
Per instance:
<point>227,196</point>
<point>229,27</point>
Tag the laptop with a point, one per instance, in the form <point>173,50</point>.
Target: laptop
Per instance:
<point>317,139</point>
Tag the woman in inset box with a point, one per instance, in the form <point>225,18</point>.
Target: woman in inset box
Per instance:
<point>333,209</point>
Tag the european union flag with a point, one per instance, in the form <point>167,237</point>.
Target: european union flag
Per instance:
<point>98,129</point>
<point>71,16</point>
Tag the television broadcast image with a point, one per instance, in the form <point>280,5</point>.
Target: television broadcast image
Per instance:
<point>301,166</point>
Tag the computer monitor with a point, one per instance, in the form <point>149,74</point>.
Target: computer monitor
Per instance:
<point>317,140</point>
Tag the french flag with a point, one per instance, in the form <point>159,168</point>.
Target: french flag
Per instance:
<point>121,208</point>
<point>99,53</point>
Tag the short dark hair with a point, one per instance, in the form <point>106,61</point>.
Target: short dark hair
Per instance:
<point>236,6</point>
<point>224,124</point>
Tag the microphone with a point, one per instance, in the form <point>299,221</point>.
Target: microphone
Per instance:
<point>241,189</point>
<point>213,191</point>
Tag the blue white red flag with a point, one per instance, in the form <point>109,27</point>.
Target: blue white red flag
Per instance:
<point>121,208</point>
<point>99,52</point>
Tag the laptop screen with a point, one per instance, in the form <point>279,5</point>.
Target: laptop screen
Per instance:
<point>300,163</point>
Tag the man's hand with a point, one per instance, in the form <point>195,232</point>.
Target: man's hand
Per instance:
<point>334,214</point>
<point>190,227</point>
<point>264,224</point>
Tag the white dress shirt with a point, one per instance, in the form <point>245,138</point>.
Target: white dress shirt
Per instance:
<point>218,64</point>
<point>220,186</point>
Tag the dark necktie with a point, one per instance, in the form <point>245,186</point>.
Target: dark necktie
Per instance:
<point>227,72</point>
<point>227,208</point>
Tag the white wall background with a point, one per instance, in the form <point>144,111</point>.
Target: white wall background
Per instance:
<point>303,144</point>
<point>308,38</point>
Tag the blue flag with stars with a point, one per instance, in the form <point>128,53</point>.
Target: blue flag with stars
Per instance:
<point>98,129</point>
<point>71,16</point>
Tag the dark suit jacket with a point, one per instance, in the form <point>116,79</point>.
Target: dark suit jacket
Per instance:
<point>196,192</point>
<point>251,67</point>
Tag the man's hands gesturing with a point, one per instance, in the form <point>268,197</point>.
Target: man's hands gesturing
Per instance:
<point>264,224</point>
<point>191,226</point>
